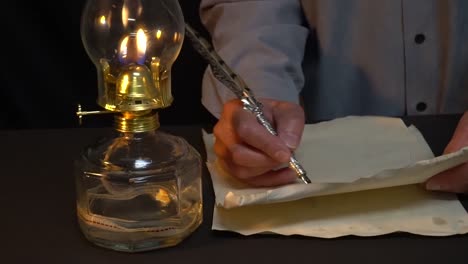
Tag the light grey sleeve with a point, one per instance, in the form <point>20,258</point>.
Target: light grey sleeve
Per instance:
<point>263,41</point>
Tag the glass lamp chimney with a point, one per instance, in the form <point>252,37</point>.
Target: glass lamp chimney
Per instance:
<point>133,44</point>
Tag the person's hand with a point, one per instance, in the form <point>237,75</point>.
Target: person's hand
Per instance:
<point>455,179</point>
<point>249,152</point>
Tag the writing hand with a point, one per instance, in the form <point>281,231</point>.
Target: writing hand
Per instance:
<point>249,152</point>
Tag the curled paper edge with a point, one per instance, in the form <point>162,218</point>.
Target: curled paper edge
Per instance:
<point>418,172</point>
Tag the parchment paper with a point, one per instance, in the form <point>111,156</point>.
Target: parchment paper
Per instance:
<point>365,173</point>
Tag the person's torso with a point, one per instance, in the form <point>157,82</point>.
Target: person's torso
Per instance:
<point>386,57</point>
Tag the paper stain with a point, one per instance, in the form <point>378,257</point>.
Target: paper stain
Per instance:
<point>438,221</point>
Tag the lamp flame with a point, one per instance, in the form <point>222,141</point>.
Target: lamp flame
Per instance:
<point>133,48</point>
<point>123,49</point>
<point>141,40</point>
<point>102,20</point>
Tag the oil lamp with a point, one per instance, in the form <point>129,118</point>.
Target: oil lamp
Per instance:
<point>141,189</point>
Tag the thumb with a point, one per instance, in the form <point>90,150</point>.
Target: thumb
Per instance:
<point>289,120</point>
<point>453,180</point>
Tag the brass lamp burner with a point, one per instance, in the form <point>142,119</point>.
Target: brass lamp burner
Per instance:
<point>134,73</point>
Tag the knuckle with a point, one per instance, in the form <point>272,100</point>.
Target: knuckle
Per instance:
<point>235,150</point>
<point>218,130</point>
<point>230,107</point>
<point>232,104</point>
<point>244,130</point>
<point>237,155</point>
<point>220,149</point>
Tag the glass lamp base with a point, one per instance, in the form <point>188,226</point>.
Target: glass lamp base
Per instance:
<point>139,191</point>
<point>135,241</point>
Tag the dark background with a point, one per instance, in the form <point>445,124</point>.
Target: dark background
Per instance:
<point>46,72</point>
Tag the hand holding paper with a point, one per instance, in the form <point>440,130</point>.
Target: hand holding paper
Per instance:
<point>455,179</point>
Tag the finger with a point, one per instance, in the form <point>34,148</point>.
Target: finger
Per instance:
<point>228,146</point>
<point>255,135</point>
<point>273,178</point>
<point>290,121</point>
<point>241,172</point>
<point>244,156</point>
<point>452,180</point>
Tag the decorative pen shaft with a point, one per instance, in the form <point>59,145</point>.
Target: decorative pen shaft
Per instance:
<point>226,76</point>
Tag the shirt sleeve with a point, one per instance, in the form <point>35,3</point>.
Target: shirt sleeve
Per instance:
<point>263,41</point>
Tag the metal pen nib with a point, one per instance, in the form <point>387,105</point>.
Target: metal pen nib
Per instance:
<point>224,74</point>
<point>301,173</point>
<point>305,179</point>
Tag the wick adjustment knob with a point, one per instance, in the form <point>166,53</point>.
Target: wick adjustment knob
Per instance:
<point>80,113</point>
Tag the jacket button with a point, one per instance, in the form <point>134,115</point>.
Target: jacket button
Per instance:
<point>421,107</point>
<point>419,38</point>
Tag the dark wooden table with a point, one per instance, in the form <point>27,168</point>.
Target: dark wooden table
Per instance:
<point>39,222</point>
